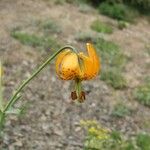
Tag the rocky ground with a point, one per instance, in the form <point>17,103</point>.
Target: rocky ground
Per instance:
<point>51,121</point>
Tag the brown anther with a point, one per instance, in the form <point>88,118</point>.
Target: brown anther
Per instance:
<point>73,95</point>
<point>82,97</point>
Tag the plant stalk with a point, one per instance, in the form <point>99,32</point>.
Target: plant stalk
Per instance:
<point>13,98</point>
<point>2,119</point>
<point>1,87</point>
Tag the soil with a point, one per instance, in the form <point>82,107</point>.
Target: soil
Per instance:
<point>51,120</point>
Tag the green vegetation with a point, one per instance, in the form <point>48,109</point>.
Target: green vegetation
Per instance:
<point>111,54</point>
<point>25,38</point>
<point>84,8</point>
<point>86,37</point>
<point>78,2</point>
<point>99,26</point>
<point>142,94</point>
<point>143,141</point>
<point>50,26</point>
<point>100,138</point>
<point>121,110</point>
<point>96,135</point>
<point>147,47</point>
<point>122,24</point>
<point>113,61</point>
<point>114,78</point>
<point>117,11</point>
<point>34,40</point>
<point>45,37</point>
<point>142,6</point>
<point>59,2</point>
<point>125,10</point>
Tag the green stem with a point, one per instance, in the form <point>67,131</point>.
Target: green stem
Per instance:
<point>2,117</point>
<point>1,88</point>
<point>78,87</point>
<point>12,101</point>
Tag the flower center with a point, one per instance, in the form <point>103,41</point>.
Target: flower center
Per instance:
<point>78,93</point>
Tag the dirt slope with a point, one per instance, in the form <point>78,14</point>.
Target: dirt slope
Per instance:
<point>51,121</point>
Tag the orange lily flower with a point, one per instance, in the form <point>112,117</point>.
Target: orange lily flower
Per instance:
<point>78,67</point>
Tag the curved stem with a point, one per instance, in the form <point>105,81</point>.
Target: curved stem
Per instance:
<point>13,98</point>
<point>2,117</point>
<point>1,87</point>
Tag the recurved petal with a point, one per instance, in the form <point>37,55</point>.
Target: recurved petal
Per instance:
<point>94,57</point>
<point>91,51</point>
<point>60,58</point>
<point>91,62</point>
<point>87,67</point>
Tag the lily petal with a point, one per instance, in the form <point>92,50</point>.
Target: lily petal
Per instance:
<point>87,67</point>
<point>69,67</point>
<point>72,66</point>
<point>94,57</point>
<point>60,58</point>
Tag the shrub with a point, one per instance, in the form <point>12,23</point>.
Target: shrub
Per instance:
<point>114,78</point>
<point>59,2</point>
<point>143,141</point>
<point>98,26</point>
<point>120,110</point>
<point>122,24</point>
<point>34,40</point>
<point>86,37</point>
<point>50,26</point>
<point>142,94</point>
<point>77,1</point>
<point>25,38</point>
<point>113,61</point>
<point>100,138</point>
<point>84,8</point>
<point>142,5</point>
<point>111,54</point>
<point>117,11</point>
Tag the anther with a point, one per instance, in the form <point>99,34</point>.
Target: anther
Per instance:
<point>73,95</point>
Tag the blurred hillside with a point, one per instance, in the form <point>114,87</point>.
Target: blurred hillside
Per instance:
<point>119,98</point>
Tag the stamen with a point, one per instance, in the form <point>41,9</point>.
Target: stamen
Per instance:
<point>82,97</point>
<point>74,95</point>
